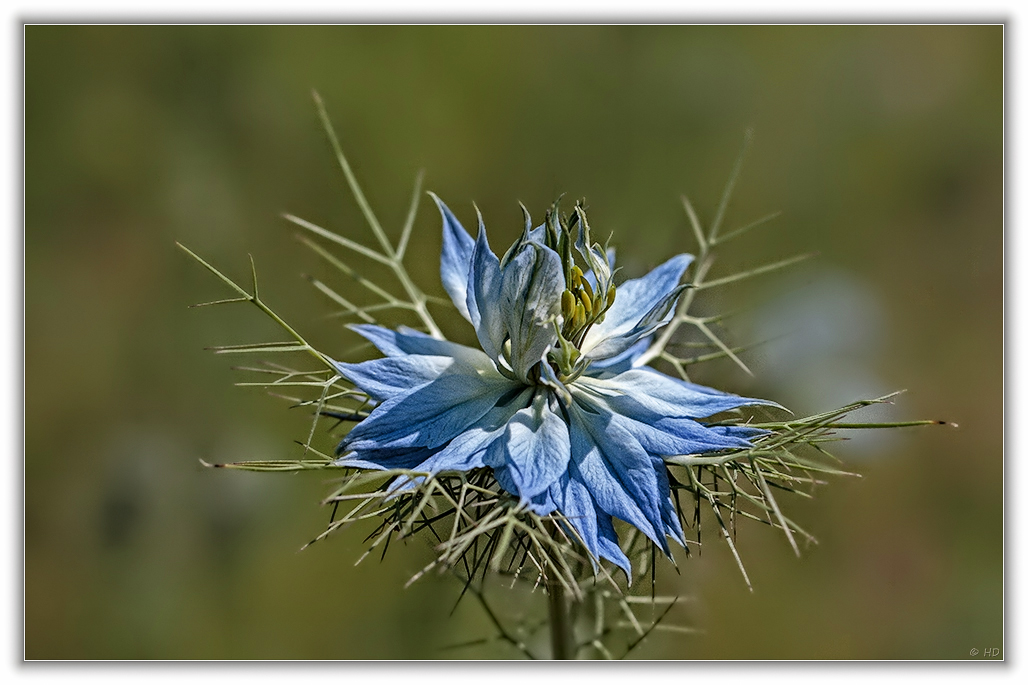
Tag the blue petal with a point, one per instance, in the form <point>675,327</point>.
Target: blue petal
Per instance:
<point>619,363</point>
<point>617,471</point>
<point>548,378</point>
<point>691,437</point>
<point>484,297</point>
<point>607,542</point>
<point>409,341</point>
<point>466,450</point>
<point>593,526</point>
<point>535,235</point>
<point>744,432</point>
<point>659,315</point>
<point>575,503</point>
<point>591,277</point>
<point>535,449</point>
<point>538,234</point>
<point>659,435</point>
<point>668,512</point>
<point>384,378</point>
<point>456,258</point>
<point>384,460</point>
<point>530,300</point>
<point>658,442</point>
<point>663,395</point>
<point>429,415</point>
<point>542,503</point>
<point>635,298</point>
<point>599,265</point>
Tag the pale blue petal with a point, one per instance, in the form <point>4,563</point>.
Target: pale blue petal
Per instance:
<point>657,317</point>
<point>607,543</point>
<point>663,395</point>
<point>538,234</point>
<point>659,435</point>
<point>506,480</point>
<point>635,299</point>
<point>548,377</point>
<point>617,471</point>
<point>430,415</point>
<point>619,363</point>
<point>598,263</point>
<point>406,340</point>
<point>657,442</point>
<point>542,503</point>
<point>688,437</point>
<point>535,449</point>
<point>535,235</point>
<point>466,450</point>
<point>384,460</point>
<point>668,512</point>
<point>384,378</point>
<point>592,525</point>
<point>575,504</point>
<point>743,432</point>
<point>530,300</point>
<point>455,262</point>
<point>591,277</point>
<point>484,297</point>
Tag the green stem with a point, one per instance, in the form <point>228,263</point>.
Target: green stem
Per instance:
<point>561,639</point>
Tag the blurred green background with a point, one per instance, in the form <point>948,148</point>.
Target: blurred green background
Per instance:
<point>882,146</point>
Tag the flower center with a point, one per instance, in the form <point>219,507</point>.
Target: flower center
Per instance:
<point>582,306</point>
<point>586,298</point>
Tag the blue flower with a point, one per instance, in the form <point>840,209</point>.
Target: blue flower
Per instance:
<point>554,402</point>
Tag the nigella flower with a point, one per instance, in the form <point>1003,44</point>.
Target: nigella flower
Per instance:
<point>554,402</point>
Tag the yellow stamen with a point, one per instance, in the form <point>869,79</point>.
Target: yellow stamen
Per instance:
<point>567,304</point>
<point>589,290</point>
<point>579,316</point>
<point>583,296</point>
